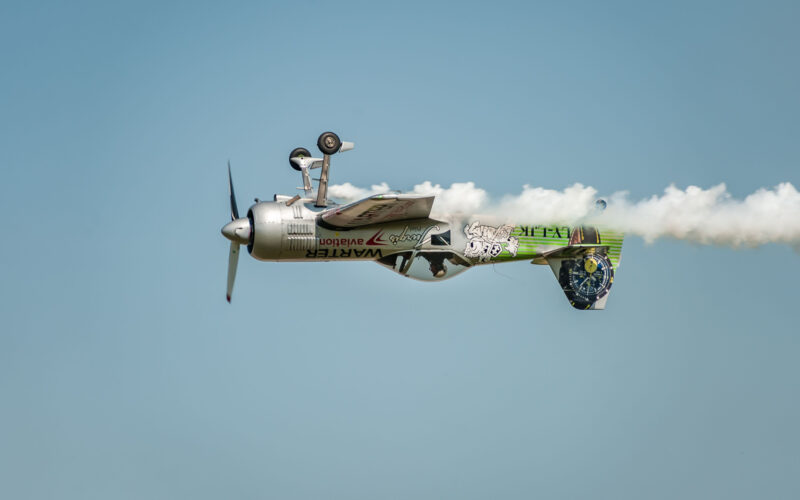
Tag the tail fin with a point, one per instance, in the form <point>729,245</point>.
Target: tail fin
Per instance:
<point>585,268</point>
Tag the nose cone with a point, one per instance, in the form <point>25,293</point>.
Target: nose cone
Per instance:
<point>237,230</point>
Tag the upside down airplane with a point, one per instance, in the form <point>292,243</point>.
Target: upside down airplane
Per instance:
<point>398,232</point>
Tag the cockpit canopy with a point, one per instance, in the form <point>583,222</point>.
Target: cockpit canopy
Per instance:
<point>426,265</point>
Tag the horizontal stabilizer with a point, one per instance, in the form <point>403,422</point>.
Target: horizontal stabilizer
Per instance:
<point>572,251</point>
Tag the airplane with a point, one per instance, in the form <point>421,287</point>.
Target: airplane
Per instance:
<point>397,231</point>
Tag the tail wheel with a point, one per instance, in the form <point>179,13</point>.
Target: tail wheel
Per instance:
<point>298,153</point>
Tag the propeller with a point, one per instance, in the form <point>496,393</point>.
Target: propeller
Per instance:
<point>233,261</point>
<point>238,231</point>
<point>234,208</point>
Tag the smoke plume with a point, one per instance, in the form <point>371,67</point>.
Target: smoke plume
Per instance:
<point>707,216</point>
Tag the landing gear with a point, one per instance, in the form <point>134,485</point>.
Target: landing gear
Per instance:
<point>301,160</point>
<point>298,153</point>
<point>329,143</point>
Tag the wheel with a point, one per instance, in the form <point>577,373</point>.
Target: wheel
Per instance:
<point>329,143</point>
<point>298,152</point>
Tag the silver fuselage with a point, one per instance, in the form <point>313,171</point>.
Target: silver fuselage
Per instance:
<point>293,233</point>
<point>429,249</point>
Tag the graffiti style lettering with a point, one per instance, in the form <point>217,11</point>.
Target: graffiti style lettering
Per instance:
<point>403,237</point>
<point>487,242</point>
<point>416,236</point>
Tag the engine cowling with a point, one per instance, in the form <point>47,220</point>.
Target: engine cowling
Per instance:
<point>281,231</point>
<point>266,221</point>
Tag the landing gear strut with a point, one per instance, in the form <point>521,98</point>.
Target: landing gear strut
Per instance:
<point>329,143</point>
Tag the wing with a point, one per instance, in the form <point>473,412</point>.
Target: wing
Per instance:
<point>378,208</point>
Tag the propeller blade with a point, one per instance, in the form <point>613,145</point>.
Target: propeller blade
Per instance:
<point>234,208</point>
<point>233,260</point>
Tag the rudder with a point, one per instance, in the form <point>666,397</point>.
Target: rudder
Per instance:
<point>585,268</point>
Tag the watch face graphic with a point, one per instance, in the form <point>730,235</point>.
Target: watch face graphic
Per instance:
<point>586,279</point>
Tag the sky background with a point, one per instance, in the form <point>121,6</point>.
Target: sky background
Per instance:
<point>125,374</point>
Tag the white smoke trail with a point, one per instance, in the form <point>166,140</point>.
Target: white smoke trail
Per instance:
<point>707,216</point>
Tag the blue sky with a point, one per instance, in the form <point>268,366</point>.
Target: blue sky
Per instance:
<point>125,374</point>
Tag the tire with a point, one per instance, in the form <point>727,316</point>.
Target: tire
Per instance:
<point>301,152</point>
<point>329,143</point>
